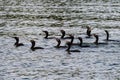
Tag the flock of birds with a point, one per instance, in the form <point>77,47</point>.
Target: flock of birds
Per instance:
<point>68,43</point>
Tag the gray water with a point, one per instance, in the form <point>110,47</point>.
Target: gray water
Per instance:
<point>28,18</point>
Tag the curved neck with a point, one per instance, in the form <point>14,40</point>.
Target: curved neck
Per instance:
<point>46,36</point>
<point>63,34</point>
<point>17,40</point>
<point>89,32</point>
<point>72,38</point>
<point>59,42</point>
<point>69,46</point>
<point>107,33</point>
<point>33,44</point>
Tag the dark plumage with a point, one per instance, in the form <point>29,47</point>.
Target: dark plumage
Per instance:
<point>59,42</point>
<point>63,35</point>
<point>17,44</point>
<point>72,39</point>
<point>81,43</point>
<point>33,48</point>
<point>97,39</point>
<point>107,37</point>
<point>47,35</point>
<point>69,46</point>
<point>88,32</point>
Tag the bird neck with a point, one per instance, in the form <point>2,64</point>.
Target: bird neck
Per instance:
<point>96,41</point>
<point>72,38</point>
<point>17,41</point>
<point>59,42</point>
<point>69,46</point>
<point>89,32</point>
<point>46,36</point>
<point>33,45</point>
<point>81,42</point>
<point>107,38</point>
<point>63,34</point>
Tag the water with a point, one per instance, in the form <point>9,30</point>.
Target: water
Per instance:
<point>27,19</point>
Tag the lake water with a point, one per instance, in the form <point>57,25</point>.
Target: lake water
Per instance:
<point>28,18</point>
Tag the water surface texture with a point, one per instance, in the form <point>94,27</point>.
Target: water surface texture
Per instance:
<point>28,18</point>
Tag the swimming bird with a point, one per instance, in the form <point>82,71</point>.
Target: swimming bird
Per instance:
<point>47,34</point>
<point>63,35</point>
<point>107,37</point>
<point>59,42</point>
<point>97,39</point>
<point>82,44</point>
<point>69,46</point>
<point>17,44</point>
<point>33,48</point>
<point>72,39</point>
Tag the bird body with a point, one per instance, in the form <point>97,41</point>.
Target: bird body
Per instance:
<point>17,44</point>
<point>33,48</point>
